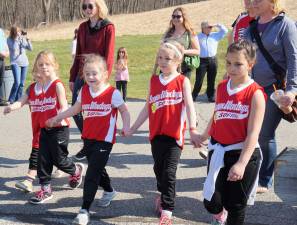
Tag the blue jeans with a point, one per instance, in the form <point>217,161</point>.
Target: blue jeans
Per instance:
<point>77,86</point>
<point>19,75</point>
<point>267,141</point>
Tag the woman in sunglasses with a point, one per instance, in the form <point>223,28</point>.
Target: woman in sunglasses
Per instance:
<point>181,30</point>
<point>96,35</point>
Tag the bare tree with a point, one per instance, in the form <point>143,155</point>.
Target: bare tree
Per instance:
<point>46,4</point>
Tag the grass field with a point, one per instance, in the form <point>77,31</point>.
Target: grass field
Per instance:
<point>141,54</point>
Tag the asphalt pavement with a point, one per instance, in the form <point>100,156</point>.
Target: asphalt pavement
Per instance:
<point>131,170</point>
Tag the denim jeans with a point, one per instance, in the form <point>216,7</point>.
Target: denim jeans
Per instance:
<point>77,86</point>
<point>267,141</point>
<point>19,75</point>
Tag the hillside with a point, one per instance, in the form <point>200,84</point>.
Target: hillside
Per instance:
<point>156,22</point>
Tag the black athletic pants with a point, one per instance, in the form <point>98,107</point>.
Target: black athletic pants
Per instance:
<point>166,154</point>
<point>97,154</point>
<point>53,152</point>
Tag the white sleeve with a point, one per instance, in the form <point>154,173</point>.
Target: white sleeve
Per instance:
<point>79,96</point>
<point>117,99</point>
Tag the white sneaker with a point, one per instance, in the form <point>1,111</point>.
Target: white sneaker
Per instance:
<point>82,218</point>
<point>106,198</point>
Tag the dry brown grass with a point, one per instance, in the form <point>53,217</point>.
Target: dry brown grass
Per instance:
<point>156,22</point>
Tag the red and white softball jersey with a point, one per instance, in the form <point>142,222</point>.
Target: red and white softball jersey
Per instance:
<point>167,112</point>
<point>232,110</point>
<point>100,112</point>
<point>34,92</point>
<point>240,27</point>
<point>48,104</point>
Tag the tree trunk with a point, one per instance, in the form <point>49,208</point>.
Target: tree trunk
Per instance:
<point>46,4</point>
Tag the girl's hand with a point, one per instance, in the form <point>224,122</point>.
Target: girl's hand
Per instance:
<point>198,140</point>
<point>127,132</point>
<point>236,172</point>
<point>7,110</point>
<point>52,122</point>
<point>287,99</point>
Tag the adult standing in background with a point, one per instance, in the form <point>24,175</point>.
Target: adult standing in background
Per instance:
<point>18,43</point>
<point>3,54</point>
<point>208,41</point>
<point>181,30</point>
<point>278,34</point>
<point>96,35</point>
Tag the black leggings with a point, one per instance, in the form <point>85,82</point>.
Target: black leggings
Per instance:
<point>33,159</point>
<point>122,85</point>
<point>97,154</point>
<point>166,154</point>
<point>233,195</point>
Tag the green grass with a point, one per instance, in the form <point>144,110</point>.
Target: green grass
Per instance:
<point>141,51</point>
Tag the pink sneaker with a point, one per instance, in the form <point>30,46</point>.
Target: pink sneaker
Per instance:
<point>165,220</point>
<point>76,179</point>
<point>220,219</point>
<point>158,207</point>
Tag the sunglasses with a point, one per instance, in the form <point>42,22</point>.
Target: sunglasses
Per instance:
<point>176,16</point>
<point>88,6</point>
<point>122,52</point>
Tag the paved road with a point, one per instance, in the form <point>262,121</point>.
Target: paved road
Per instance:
<point>130,167</point>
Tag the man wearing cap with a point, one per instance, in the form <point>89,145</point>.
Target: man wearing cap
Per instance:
<point>3,54</point>
<point>208,41</point>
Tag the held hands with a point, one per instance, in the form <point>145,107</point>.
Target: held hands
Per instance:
<point>236,172</point>
<point>198,140</point>
<point>52,122</point>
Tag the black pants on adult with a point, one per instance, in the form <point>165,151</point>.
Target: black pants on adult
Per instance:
<point>53,152</point>
<point>2,70</point>
<point>233,195</point>
<point>97,154</point>
<point>166,154</point>
<point>209,66</point>
<point>122,86</point>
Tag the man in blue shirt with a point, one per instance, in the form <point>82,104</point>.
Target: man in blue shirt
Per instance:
<point>3,54</point>
<point>208,41</point>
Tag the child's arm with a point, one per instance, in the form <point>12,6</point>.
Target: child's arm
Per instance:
<point>254,126</point>
<point>191,114</point>
<point>16,105</point>
<point>73,110</point>
<point>125,118</point>
<point>61,94</point>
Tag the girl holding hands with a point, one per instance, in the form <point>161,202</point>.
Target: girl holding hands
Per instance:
<point>167,106</point>
<point>99,103</point>
<point>234,153</point>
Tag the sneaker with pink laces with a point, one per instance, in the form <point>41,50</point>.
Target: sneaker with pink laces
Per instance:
<point>41,196</point>
<point>165,220</point>
<point>220,219</point>
<point>158,207</point>
<point>76,179</point>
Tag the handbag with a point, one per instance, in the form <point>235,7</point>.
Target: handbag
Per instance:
<point>280,73</point>
<point>192,62</point>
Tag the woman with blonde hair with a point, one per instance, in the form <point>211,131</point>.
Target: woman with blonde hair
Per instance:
<point>181,30</point>
<point>278,35</point>
<point>95,36</point>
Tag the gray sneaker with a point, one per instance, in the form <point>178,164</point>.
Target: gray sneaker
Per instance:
<point>106,198</point>
<point>82,218</point>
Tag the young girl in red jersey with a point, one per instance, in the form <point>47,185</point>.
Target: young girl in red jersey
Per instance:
<point>32,92</point>
<point>99,103</point>
<point>53,141</point>
<point>234,153</point>
<point>122,73</point>
<point>167,106</point>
